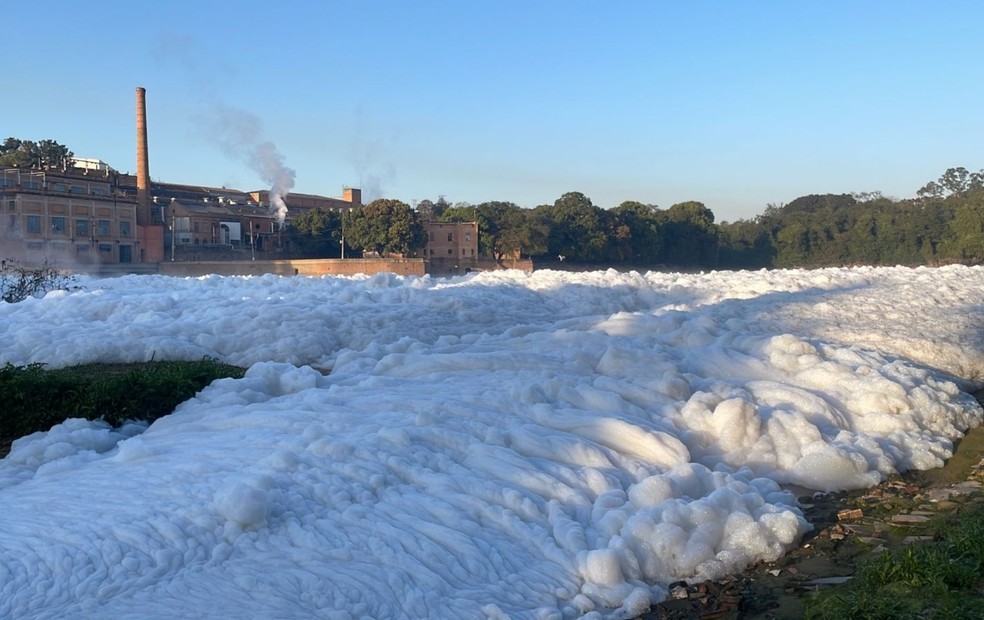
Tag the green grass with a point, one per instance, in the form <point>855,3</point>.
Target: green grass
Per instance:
<point>33,398</point>
<point>942,578</point>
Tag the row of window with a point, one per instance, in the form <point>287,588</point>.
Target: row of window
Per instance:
<point>451,237</point>
<point>451,252</point>
<point>82,227</point>
<point>83,251</point>
<point>97,189</point>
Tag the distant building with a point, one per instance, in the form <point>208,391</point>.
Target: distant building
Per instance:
<point>452,247</point>
<point>73,217</point>
<point>96,165</point>
<point>299,203</point>
<point>219,223</point>
<point>90,214</point>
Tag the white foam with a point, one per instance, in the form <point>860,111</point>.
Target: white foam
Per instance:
<point>546,445</point>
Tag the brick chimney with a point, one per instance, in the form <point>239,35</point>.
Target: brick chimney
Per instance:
<point>143,166</point>
<point>352,195</point>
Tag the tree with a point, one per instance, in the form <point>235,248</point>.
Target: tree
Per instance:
<point>640,232</point>
<point>813,203</point>
<point>503,229</point>
<point>691,237</point>
<point>577,229</point>
<point>954,182</point>
<point>430,211</point>
<point>316,232</point>
<point>16,153</point>
<point>385,226</point>
<point>458,213</point>
<point>745,245</point>
<point>967,231</point>
<point>792,245</point>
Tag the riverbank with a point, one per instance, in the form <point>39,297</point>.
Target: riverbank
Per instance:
<point>849,529</point>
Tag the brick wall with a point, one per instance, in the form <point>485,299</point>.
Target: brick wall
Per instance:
<point>309,267</point>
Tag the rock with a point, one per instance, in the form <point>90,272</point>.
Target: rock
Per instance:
<point>908,540</point>
<point>829,581</point>
<point>909,519</point>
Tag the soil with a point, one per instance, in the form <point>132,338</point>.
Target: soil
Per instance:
<point>847,528</point>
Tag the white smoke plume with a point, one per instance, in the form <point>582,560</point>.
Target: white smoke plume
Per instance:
<point>269,163</point>
<point>368,150</point>
<point>240,135</point>
<point>237,132</point>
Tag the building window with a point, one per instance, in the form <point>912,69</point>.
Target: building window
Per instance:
<point>81,249</point>
<point>34,224</point>
<point>124,228</point>
<point>196,226</point>
<point>58,225</point>
<point>450,237</point>
<point>450,252</point>
<point>430,236</point>
<point>105,248</point>
<point>103,228</point>
<point>468,237</point>
<point>81,228</point>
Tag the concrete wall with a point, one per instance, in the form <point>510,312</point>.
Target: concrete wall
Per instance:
<point>310,267</point>
<point>439,267</point>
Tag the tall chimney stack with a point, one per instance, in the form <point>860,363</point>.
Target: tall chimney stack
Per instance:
<point>143,166</point>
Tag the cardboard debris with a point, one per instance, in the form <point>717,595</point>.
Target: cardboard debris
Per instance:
<point>845,515</point>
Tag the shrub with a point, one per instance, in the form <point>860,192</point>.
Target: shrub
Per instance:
<point>35,399</point>
<point>18,281</point>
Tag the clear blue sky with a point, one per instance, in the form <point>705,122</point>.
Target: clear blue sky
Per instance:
<point>735,104</point>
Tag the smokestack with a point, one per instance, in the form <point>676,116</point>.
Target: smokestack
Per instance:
<point>143,166</point>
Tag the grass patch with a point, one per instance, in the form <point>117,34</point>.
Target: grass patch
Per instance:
<point>943,578</point>
<point>35,398</point>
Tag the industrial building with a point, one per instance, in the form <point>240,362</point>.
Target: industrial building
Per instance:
<point>88,216</point>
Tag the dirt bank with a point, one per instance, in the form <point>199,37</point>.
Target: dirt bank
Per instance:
<point>848,528</point>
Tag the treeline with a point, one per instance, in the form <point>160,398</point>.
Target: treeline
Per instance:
<point>944,223</point>
<point>16,153</point>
